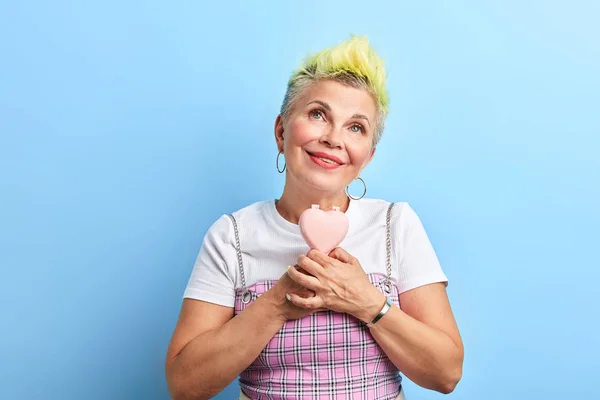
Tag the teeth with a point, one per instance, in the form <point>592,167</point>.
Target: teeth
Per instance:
<point>328,161</point>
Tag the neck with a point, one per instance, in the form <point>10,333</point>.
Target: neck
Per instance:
<point>294,202</point>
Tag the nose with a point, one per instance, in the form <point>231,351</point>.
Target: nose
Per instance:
<point>331,138</point>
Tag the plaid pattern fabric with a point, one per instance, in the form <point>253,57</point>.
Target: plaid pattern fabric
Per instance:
<point>327,355</point>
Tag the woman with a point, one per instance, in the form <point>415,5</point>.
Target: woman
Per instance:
<point>332,326</point>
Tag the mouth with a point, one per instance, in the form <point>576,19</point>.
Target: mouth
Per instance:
<point>325,160</point>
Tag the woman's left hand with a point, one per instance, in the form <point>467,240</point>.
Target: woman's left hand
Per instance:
<point>339,282</point>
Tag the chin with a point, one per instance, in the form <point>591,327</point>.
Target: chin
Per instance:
<point>323,183</point>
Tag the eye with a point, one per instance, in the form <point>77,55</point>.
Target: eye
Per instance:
<point>316,114</point>
<point>356,128</point>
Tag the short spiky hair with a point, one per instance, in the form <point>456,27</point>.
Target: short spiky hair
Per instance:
<point>352,62</point>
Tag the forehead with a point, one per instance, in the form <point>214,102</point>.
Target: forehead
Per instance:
<point>342,98</point>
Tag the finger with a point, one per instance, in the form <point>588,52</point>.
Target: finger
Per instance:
<point>342,255</point>
<point>319,258</point>
<point>304,280</point>
<point>304,293</point>
<point>301,270</point>
<point>310,266</point>
<point>314,303</point>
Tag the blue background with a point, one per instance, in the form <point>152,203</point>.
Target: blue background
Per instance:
<point>127,128</point>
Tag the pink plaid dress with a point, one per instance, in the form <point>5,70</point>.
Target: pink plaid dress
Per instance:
<point>326,355</point>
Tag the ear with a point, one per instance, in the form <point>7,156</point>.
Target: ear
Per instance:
<point>279,129</point>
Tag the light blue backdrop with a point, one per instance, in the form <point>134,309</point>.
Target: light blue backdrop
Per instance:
<point>127,128</point>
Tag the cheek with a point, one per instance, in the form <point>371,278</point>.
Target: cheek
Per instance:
<point>359,155</point>
<point>301,132</point>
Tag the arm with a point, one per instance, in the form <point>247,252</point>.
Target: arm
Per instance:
<point>422,339</point>
<point>210,347</point>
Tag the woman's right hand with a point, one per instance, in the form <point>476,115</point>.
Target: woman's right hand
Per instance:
<point>286,309</point>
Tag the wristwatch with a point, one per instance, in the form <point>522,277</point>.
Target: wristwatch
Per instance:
<point>384,310</point>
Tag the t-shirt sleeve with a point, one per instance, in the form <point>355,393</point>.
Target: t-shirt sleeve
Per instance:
<point>213,276</point>
<point>416,259</point>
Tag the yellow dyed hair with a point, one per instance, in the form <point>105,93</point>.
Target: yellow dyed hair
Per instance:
<point>353,62</point>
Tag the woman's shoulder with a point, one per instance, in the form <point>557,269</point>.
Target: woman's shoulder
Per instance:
<point>376,205</point>
<point>223,227</point>
<point>256,209</point>
<point>376,209</point>
<point>250,211</point>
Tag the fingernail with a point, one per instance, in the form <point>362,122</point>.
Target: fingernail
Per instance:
<point>287,296</point>
<point>288,268</point>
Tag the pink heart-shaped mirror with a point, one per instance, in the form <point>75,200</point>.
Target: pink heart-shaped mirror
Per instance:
<point>323,230</point>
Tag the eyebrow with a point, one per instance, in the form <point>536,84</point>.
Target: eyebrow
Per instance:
<point>361,116</point>
<point>328,108</point>
<point>325,105</point>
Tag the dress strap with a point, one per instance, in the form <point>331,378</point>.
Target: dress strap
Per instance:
<point>246,295</point>
<point>388,249</point>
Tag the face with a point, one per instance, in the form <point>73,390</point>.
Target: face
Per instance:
<point>328,137</point>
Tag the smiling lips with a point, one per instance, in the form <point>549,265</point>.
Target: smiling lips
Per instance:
<point>325,160</point>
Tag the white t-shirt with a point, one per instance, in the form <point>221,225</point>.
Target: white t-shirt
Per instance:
<point>270,243</point>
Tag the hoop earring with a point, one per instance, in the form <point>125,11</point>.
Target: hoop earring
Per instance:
<point>281,171</point>
<point>363,193</point>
